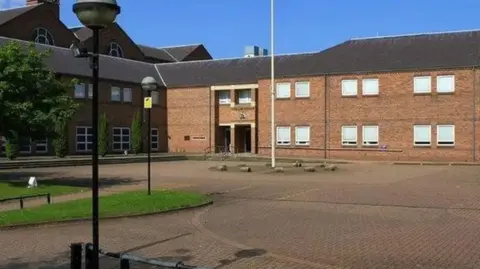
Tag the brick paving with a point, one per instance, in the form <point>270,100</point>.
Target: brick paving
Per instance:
<point>363,216</point>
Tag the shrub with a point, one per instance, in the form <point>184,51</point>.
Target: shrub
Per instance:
<point>137,133</point>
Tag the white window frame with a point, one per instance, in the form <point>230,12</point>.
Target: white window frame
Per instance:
<point>303,142</point>
<point>452,86</point>
<point>22,145</point>
<point>114,50</point>
<point>41,32</point>
<point>121,135</point>
<point>90,91</point>
<point>283,86</point>
<point>298,89</point>
<point>114,92</point>
<point>349,142</point>
<point>86,135</point>
<point>416,141</point>
<point>417,80</point>
<point>155,97</point>
<point>41,143</point>
<point>224,97</point>
<point>127,92</point>
<point>365,82</point>
<point>79,91</point>
<point>445,143</point>
<point>154,134</point>
<point>285,142</point>
<point>244,99</point>
<point>370,142</point>
<point>348,92</point>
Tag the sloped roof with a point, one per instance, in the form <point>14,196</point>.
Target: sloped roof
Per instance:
<point>7,15</point>
<point>156,53</point>
<point>112,68</point>
<point>179,53</point>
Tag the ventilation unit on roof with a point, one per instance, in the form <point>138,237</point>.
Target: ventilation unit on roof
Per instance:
<point>254,51</point>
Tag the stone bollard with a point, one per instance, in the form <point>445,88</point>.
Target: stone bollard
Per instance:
<point>222,168</point>
<point>245,169</point>
<point>330,167</point>
<point>309,169</point>
<point>278,170</point>
<point>297,164</point>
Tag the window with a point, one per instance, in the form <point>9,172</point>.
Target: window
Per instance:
<point>115,50</point>
<point>121,138</point>
<point>422,135</point>
<point>244,96</point>
<point>370,135</point>
<point>446,83</point>
<point>349,135</point>
<point>422,84</point>
<point>302,89</point>
<point>115,94</point>
<point>154,138</point>
<point>127,95</point>
<point>302,135</point>
<point>283,90</point>
<point>155,97</point>
<point>370,86</point>
<point>90,91</point>
<point>84,137</point>
<point>224,97</point>
<point>3,141</point>
<point>42,36</point>
<point>349,87</point>
<point>41,146</point>
<point>80,90</point>
<point>445,135</point>
<point>283,135</point>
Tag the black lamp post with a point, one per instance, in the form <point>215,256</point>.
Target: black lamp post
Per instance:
<point>96,15</point>
<point>149,84</point>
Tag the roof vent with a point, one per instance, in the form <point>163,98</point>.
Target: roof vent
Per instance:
<point>254,51</point>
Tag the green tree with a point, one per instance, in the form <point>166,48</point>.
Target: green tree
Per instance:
<point>12,146</point>
<point>103,135</point>
<point>137,133</point>
<point>32,97</point>
<point>60,139</point>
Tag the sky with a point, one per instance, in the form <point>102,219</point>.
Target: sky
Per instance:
<point>225,27</point>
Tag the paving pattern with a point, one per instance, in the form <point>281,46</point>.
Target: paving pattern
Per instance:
<point>362,216</point>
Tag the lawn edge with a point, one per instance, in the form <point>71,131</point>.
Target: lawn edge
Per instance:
<point>58,222</point>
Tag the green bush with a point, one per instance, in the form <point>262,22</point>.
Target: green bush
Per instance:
<point>137,133</point>
<point>12,148</point>
<point>103,135</point>
<point>60,140</point>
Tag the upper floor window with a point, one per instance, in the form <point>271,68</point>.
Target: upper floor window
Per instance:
<point>302,89</point>
<point>349,87</point>
<point>422,84</point>
<point>446,83</point>
<point>244,96</point>
<point>224,97</point>
<point>370,86</point>
<point>43,36</point>
<point>283,90</point>
<point>115,50</point>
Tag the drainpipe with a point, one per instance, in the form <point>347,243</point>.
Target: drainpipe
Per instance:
<point>210,119</point>
<point>325,120</point>
<point>474,118</point>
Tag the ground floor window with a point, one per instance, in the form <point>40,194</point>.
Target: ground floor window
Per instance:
<point>302,135</point>
<point>283,135</point>
<point>41,146</point>
<point>121,138</point>
<point>154,139</point>
<point>84,137</point>
<point>349,135</point>
<point>445,135</point>
<point>422,135</point>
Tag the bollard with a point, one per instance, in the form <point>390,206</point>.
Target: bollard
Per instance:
<point>89,256</point>
<point>21,203</point>
<point>124,264</point>
<point>76,256</point>
<point>49,198</point>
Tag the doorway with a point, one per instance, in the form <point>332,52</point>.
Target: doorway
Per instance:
<point>226,139</point>
<point>248,139</point>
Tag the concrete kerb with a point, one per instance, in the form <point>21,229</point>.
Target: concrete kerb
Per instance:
<point>59,222</point>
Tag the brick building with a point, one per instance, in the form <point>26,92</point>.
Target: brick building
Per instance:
<point>384,98</point>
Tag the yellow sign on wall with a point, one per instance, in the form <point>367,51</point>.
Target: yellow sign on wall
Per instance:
<point>147,102</point>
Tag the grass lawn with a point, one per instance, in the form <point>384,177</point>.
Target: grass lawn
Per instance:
<point>14,189</point>
<point>127,203</point>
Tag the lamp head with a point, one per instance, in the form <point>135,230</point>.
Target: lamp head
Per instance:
<point>96,14</point>
<point>149,84</point>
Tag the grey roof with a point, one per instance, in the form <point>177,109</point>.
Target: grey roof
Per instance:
<point>82,33</point>
<point>111,68</point>
<point>7,15</point>
<point>397,53</point>
<point>179,53</point>
<point>157,53</point>
<point>234,71</point>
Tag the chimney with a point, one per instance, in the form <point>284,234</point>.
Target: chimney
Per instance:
<point>254,51</point>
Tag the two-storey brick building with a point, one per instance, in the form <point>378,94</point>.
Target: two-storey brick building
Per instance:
<point>384,98</point>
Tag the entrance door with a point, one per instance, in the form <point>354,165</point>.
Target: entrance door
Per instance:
<point>248,139</point>
<point>226,146</point>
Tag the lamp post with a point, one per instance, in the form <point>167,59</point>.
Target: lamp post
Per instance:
<point>96,15</point>
<point>149,84</point>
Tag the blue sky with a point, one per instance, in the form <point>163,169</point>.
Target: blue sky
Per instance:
<point>226,26</point>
